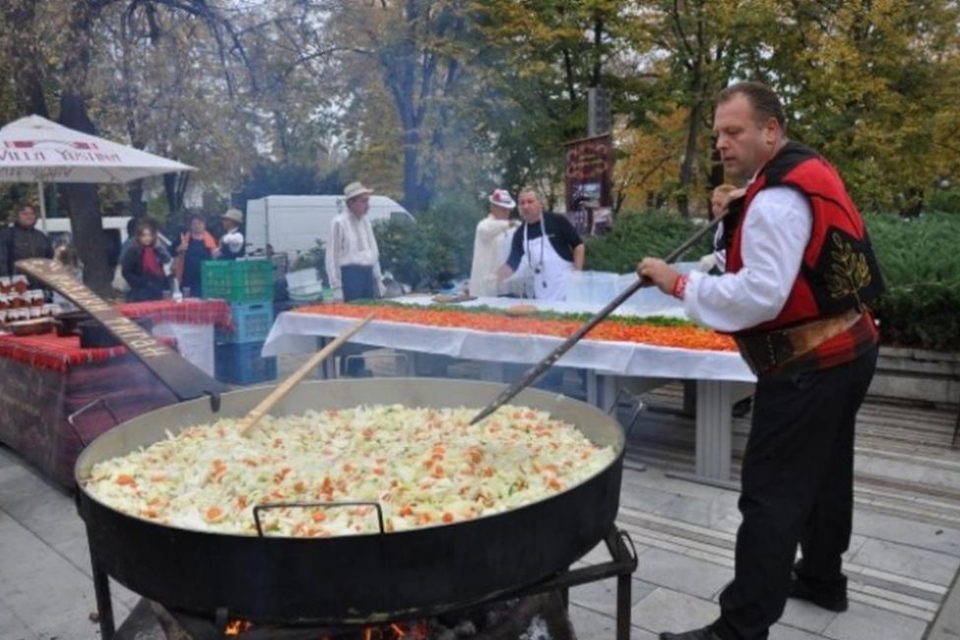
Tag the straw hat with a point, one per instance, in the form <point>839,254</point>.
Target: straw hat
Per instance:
<point>501,198</point>
<point>355,189</point>
<point>233,214</point>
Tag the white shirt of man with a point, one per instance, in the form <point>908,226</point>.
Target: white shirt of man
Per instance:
<point>490,250</point>
<point>352,243</point>
<point>776,232</point>
<point>233,240</point>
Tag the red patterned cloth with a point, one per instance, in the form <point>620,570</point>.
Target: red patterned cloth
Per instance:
<point>49,351</point>
<point>189,311</point>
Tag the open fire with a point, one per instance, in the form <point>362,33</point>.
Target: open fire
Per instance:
<point>392,631</point>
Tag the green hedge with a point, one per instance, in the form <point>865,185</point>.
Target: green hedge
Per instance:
<point>434,251</point>
<point>635,235</point>
<point>920,263</point>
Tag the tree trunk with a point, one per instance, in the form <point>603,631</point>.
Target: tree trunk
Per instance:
<point>412,193</point>
<point>28,70</point>
<point>137,206</point>
<point>83,203</point>
<point>690,156</point>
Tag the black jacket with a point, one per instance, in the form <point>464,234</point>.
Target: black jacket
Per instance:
<point>18,243</point>
<point>143,286</point>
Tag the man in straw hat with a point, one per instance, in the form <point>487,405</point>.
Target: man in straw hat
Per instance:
<point>231,242</point>
<point>353,258</point>
<point>492,245</point>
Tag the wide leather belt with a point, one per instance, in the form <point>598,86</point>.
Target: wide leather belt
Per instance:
<point>766,351</point>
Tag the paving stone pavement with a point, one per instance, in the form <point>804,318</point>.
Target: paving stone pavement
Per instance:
<point>903,558</point>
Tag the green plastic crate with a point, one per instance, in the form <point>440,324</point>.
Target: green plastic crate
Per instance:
<point>238,280</point>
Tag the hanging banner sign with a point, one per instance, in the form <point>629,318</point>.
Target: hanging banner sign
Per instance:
<point>588,177</point>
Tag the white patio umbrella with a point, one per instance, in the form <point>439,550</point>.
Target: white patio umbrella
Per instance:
<point>34,149</point>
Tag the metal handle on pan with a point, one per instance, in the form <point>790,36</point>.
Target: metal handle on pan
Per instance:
<point>307,505</point>
<point>636,412</point>
<point>72,418</point>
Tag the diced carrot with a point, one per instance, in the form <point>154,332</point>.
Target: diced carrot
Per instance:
<point>213,513</point>
<point>124,479</point>
<point>448,517</point>
<point>406,510</point>
<point>149,513</point>
<point>241,502</point>
<point>319,516</point>
<point>554,484</point>
<point>368,433</point>
<point>377,471</point>
<point>424,518</point>
<point>488,472</point>
<point>299,486</point>
<point>438,471</point>
<point>348,468</point>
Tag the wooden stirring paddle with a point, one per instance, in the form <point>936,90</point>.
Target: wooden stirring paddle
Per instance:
<point>285,387</point>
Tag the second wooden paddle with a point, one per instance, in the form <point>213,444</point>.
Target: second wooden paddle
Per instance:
<point>285,387</point>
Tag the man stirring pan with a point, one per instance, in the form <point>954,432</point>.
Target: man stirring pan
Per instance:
<point>549,245</point>
<point>799,274</point>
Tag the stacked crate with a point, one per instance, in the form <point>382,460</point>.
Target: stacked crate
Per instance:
<point>248,286</point>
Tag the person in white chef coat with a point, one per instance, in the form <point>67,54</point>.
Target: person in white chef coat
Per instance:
<point>353,258</point>
<point>548,245</point>
<point>491,246</point>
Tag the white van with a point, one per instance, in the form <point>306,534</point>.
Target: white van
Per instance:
<point>292,224</point>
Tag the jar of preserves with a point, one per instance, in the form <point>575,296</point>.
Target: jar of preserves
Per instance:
<point>6,284</point>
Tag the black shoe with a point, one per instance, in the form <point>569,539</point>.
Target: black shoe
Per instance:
<point>697,634</point>
<point>836,602</point>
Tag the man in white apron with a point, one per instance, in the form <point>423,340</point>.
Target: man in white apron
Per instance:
<point>548,245</point>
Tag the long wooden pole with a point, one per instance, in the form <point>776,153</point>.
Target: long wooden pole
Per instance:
<point>540,368</point>
<point>285,387</point>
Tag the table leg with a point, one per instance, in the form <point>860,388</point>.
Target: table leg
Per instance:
<point>714,435</point>
<point>492,371</point>
<point>328,368</point>
<point>602,390</point>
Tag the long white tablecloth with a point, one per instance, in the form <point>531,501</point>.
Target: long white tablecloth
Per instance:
<point>295,332</point>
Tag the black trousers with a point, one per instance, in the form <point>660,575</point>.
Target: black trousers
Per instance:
<point>357,282</point>
<point>797,489</point>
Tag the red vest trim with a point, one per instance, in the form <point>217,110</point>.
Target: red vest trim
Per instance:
<point>839,271</point>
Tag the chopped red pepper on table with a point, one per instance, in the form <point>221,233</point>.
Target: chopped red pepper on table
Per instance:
<point>653,331</point>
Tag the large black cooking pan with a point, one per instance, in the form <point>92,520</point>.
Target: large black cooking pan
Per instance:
<point>355,578</point>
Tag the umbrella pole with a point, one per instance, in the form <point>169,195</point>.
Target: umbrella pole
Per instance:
<point>43,207</point>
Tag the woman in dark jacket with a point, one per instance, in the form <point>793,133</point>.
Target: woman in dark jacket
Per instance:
<point>142,267</point>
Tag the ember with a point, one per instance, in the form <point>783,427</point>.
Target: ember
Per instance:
<point>236,627</point>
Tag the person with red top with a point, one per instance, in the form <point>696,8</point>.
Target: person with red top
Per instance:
<point>799,279</point>
<point>142,266</point>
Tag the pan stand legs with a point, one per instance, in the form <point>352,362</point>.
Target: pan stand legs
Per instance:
<point>623,606</point>
<point>621,549</point>
<point>101,585</point>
